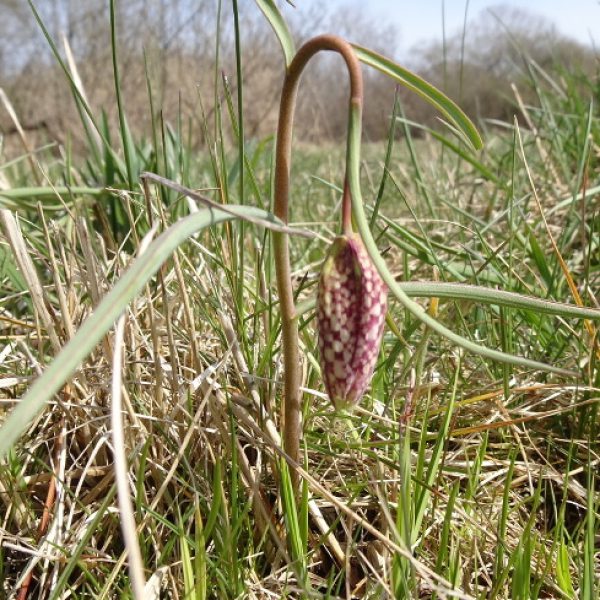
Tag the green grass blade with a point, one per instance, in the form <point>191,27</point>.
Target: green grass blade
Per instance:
<point>42,194</point>
<point>476,293</point>
<point>74,88</point>
<point>422,497</point>
<point>466,156</point>
<point>125,136</point>
<point>541,263</point>
<point>387,159</point>
<point>189,583</point>
<point>293,523</point>
<point>282,31</point>
<point>563,575</point>
<point>503,523</point>
<point>443,558</point>
<point>588,583</point>
<point>200,558</point>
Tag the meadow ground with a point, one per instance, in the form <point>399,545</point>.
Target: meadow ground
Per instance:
<point>457,476</point>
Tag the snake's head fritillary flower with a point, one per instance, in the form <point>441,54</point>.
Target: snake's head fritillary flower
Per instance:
<point>351,308</point>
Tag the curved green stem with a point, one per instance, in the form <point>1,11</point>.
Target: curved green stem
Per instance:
<point>289,324</point>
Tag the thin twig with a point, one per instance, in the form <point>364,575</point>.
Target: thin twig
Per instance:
<point>230,210</point>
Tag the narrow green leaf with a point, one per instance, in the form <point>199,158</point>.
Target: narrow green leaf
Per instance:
<point>476,293</point>
<point>427,91</point>
<point>388,157</point>
<point>236,211</point>
<point>303,509</point>
<point>540,259</point>
<point>189,585</point>
<point>125,136</point>
<point>292,518</point>
<point>217,500</point>
<point>26,197</point>
<point>436,458</point>
<point>200,558</point>
<point>9,269</point>
<point>521,578</point>
<point>270,10</point>
<point>445,538</point>
<point>483,170</point>
<point>74,89</point>
<point>563,576</point>
<point>483,295</point>
<point>589,575</point>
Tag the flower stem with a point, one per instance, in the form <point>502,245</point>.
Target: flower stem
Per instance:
<point>289,323</point>
<point>346,210</point>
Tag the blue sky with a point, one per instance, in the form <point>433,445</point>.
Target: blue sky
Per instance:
<point>419,20</point>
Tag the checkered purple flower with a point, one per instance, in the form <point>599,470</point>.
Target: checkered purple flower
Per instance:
<point>351,308</point>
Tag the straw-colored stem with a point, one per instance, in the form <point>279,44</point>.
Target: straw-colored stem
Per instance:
<point>289,324</point>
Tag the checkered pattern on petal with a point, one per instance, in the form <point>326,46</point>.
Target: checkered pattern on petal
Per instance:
<point>351,307</point>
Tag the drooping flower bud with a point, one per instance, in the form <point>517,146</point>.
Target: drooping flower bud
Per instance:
<point>351,308</point>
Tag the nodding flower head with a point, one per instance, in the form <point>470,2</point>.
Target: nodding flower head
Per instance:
<point>351,308</point>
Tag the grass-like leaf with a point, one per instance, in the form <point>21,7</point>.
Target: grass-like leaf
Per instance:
<point>271,12</point>
<point>412,81</point>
